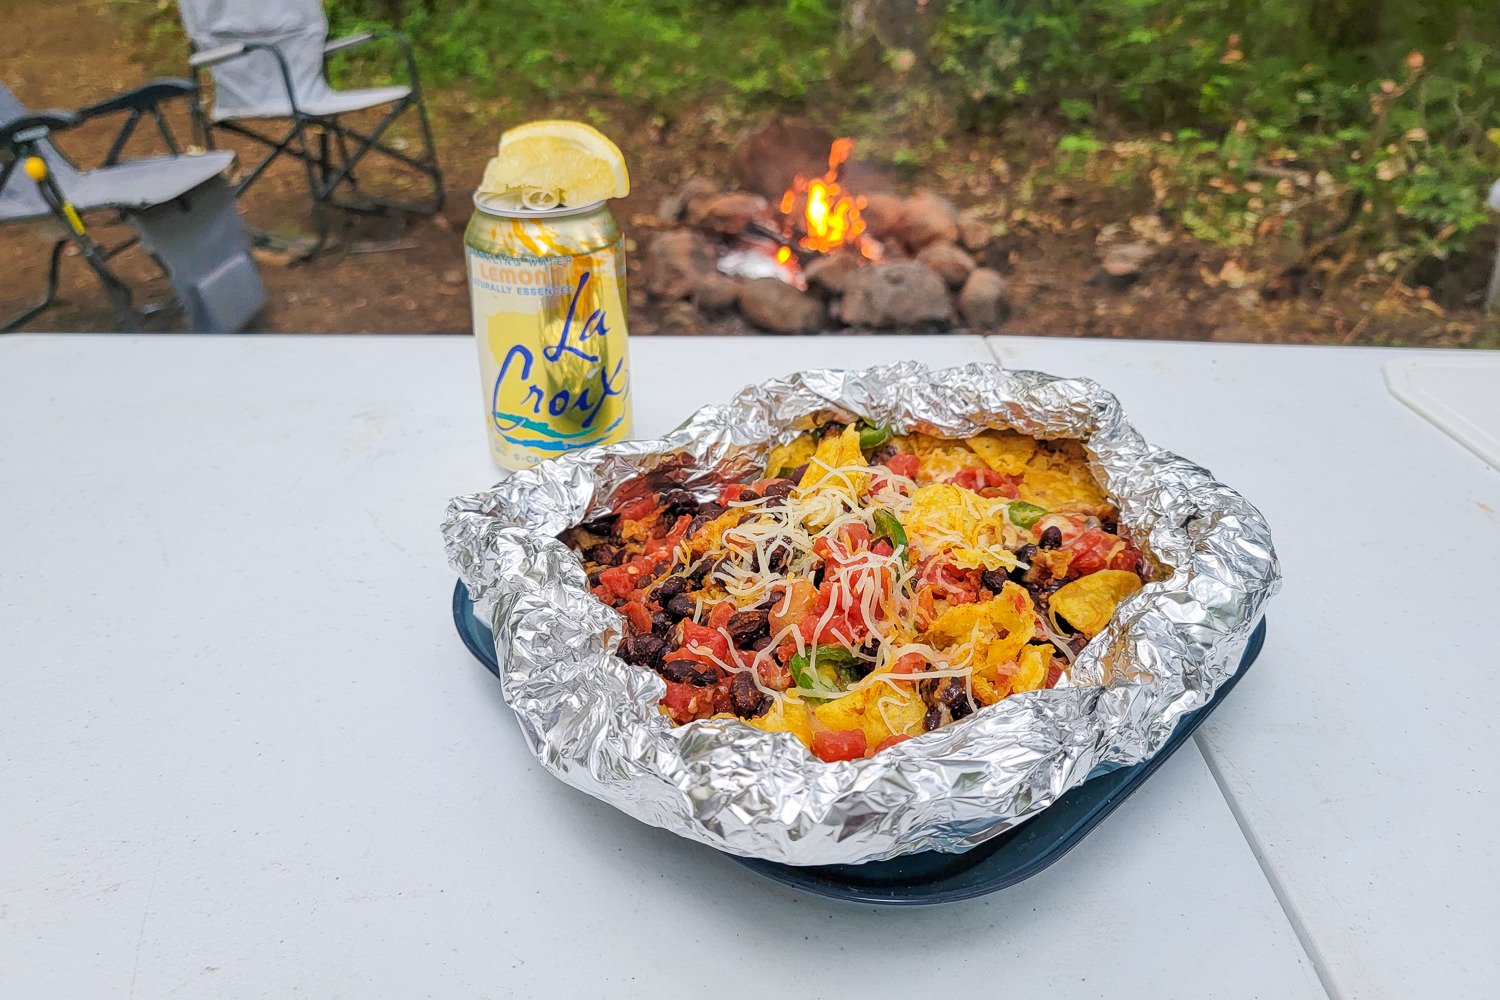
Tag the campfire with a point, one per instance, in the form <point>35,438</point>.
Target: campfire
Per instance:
<point>820,216</point>
<point>815,240</point>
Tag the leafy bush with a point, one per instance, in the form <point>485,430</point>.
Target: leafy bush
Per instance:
<point>1278,116</point>
<point>658,51</point>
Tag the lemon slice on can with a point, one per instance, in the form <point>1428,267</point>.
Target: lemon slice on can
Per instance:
<point>545,164</point>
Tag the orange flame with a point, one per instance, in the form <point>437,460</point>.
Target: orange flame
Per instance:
<point>830,217</point>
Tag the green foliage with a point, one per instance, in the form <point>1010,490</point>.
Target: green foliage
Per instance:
<point>1338,124</point>
<point>657,52</point>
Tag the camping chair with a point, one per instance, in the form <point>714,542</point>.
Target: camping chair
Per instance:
<point>180,207</point>
<point>267,62</point>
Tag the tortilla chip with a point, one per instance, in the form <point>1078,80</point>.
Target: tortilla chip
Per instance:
<point>1006,452</point>
<point>790,455</point>
<point>1089,603</point>
<point>959,523</point>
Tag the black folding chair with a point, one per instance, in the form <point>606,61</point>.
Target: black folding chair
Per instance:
<point>180,207</point>
<point>267,61</point>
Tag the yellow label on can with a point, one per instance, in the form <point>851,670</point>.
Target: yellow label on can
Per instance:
<point>553,358</point>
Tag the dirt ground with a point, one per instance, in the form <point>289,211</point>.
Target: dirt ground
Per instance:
<point>397,275</point>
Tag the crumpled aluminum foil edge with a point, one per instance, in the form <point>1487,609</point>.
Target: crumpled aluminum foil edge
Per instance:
<point>592,719</point>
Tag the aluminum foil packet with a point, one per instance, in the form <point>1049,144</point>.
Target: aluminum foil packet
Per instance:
<point>592,719</point>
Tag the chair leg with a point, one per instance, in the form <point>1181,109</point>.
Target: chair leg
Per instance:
<point>54,267</point>
<point>436,173</point>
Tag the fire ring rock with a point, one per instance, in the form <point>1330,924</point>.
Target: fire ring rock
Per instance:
<point>675,261</point>
<point>948,261</point>
<point>772,304</point>
<point>899,294</point>
<point>982,301</point>
<point>928,218</point>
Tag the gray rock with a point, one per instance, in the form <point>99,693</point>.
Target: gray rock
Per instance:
<point>674,206</point>
<point>726,213</point>
<point>899,294</point>
<point>974,230</point>
<point>981,302</point>
<point>674,262</point>
<point>832,272</point>
<point>774,305</point>
<point>1123,261</point>
<point>882,214</point>
<point>715,293</point>
<point>948,262</point>
<point>766,160</point>
<point>927,218</point>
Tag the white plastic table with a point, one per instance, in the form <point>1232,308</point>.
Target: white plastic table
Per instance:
<point>242,752</point>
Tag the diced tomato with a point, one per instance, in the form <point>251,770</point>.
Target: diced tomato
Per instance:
<point>909,663</point>
<point>720,615</point>
<point>669,541</point>
<point>844,744</point>
<point>1091,551</point>
<point>620,580</point>
<point>637,510</point>
<point>904,463</point>
<point>987,481</point>
<point>705,638</point>
<point>792,605</point>
<point>891,741</point>
<point>1128,558</point>
<point>638,615</point>
<point>730,493</point>
<point>686,702</point>
<point>775,675</point>
<point>1054,672</point>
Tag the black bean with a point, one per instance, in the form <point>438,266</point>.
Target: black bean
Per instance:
<point>747,626</point>
<point>778,557</point>
<point>932,720</point>
<point>1025,554</point>
<point>745,698</point>
<point>670,588</point>
<point>642,649</point>
<point>778,489</point>
<point>1051,538</point>
<point>685,671</point>
<point>956,697</point>
<point>601,525</point>
<point>678,502</point>
<point>992,580</point>
<point>605,554</point>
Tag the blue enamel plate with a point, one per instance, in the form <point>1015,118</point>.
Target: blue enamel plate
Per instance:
<point>930,877</point>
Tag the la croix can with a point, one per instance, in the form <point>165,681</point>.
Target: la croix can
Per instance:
<point>547,289</point>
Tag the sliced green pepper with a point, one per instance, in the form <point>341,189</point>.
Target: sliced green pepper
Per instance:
<point>886,526</point>
<point>839,660</point>
<point>1025,515</point>
<point>873,436</point>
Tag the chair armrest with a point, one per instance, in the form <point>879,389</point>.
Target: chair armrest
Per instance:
<point>35,126</point>
<point>349,42</point>
<point>143,98</point>
<point>210,56</point>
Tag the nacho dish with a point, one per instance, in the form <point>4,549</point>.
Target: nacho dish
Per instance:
<point>870,587</point>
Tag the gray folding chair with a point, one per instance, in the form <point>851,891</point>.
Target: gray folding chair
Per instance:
<point>267,61</point>
<point>181,209</point>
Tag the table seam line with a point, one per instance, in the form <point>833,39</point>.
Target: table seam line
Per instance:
<point>1279,890</point>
